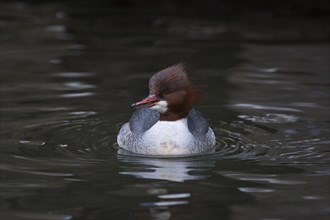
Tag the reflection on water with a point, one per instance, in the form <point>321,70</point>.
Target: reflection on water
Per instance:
<point>69,74</point>
<point>165,169</point>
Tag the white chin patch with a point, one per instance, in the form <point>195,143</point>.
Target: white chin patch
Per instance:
<point>161,106</point>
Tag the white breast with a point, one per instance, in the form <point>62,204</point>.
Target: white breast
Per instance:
<point>169,137</point>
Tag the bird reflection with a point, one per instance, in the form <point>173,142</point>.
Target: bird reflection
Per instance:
<point>171,169</point>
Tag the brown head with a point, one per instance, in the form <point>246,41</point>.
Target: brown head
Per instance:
<point>171,93</point>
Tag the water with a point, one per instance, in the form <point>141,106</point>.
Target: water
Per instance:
<point>68,77</point>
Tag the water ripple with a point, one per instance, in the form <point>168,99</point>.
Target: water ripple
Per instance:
<point>39,216</point>
<point>165,203</point>
<point>264,107</point>
<point>77,95</point>
<point>175,196</point>
<point>270,118</point>
<point>74,74</point>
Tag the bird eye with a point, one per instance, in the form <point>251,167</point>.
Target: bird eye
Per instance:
<point>162,94</point>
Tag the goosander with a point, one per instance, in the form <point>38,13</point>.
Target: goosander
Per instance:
<point>165,122</point>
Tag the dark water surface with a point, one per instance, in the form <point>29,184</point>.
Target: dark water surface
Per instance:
<point>69,75</point>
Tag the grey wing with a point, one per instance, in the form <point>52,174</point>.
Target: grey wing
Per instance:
<point>197,124</point>
<point>142,120</point>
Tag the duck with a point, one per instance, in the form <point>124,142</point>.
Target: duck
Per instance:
<point>166,123</point>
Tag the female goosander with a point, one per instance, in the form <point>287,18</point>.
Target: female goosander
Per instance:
<point>165,122</point>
